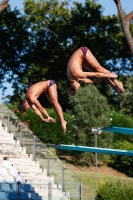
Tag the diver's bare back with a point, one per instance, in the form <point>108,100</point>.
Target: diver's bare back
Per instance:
<point>37,89</point>
<point>74,66</point>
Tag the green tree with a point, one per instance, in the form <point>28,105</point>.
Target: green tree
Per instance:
<point>114,191</point>
<point>101,32</point>
<point>37,45</point>
<point>14,44</point>
<point>58,30</point>
<point>123,164</point>
<point>89,109</point>
<point>47,132</point>
<point>126,105</point>
<point>122,120</point>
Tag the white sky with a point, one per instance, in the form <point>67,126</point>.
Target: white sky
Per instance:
<point>109,9</point>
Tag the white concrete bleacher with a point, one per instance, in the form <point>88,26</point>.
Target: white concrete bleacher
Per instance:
<point>16,165</point>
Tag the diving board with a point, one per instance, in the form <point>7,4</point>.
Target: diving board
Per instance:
<point>118,129</point>
<point>94,149</point>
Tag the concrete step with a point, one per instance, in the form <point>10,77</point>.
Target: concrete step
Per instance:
<point>7,142</point>
<point>7,136</point>
<point>27,163</point>
<point>21,160</point>
<point>38,175</point>
<point>11,155</point>
<point>7,151</point>
<point>14,147</point>
<point>28,170</point>
<point>16,144</point>
<point>41,181</point>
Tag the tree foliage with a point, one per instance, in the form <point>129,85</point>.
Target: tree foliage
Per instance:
<point>122,163</point>
<point>122,120</point>
<point>89,109</point>
<point>114,190</point>
<point>47,132</point>
<point>38,44</point>
<point>14,44</point>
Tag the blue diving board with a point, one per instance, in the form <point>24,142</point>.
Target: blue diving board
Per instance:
<point>118,129</point>
<point>94,149</point>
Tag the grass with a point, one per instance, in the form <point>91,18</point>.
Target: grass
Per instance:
<point>91,180</point>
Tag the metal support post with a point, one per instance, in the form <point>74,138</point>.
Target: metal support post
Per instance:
<point>96,132</point>
<point>63,187</point>
<point>80,190</point>
<point>20,134</point>
<point>95,153</point>
<point>8,122</point>
<point>19,191</point>
<point>49,190</point>
<point>34,148</point>
<point>48,163</point>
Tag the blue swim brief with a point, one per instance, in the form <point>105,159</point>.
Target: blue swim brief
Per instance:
<point>52,82</point>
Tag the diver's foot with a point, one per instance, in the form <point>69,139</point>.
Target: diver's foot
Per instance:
<point>120,88</point>
<point>64,126</point>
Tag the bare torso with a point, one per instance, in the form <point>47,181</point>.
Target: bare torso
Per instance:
<point>74,66</point>
<point>37,89</point>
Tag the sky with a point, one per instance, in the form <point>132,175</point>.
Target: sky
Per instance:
<point>109,5</point>
<point>109,9</point>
